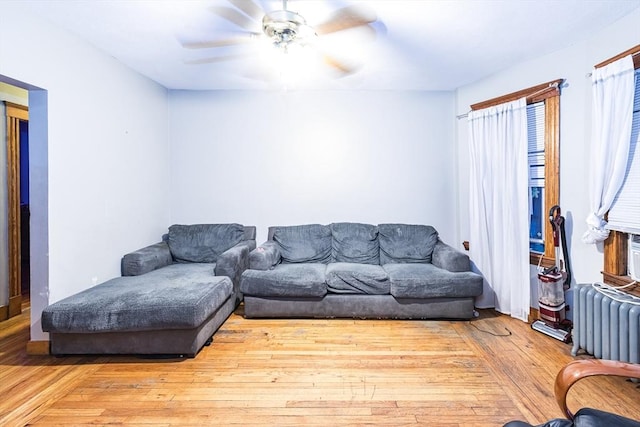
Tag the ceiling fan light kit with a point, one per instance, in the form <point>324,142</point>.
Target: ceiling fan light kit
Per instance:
<point>284,27</point>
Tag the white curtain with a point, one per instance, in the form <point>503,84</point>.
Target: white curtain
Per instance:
<point>499,204</point>
<point>613,90</point>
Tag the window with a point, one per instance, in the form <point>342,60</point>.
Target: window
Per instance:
<point>538,217</point>
<point>615,269</point>
<point>624,214</point>
<point>543,114</point>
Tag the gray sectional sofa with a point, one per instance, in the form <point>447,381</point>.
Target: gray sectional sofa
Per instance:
<point>357,270</point>
<point>171,298</point>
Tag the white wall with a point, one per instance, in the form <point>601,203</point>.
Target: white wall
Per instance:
<point>284,158</point>
<point>98,161</point>
<point>572,64</point>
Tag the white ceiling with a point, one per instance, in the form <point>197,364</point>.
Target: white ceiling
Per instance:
<point>419,44</point>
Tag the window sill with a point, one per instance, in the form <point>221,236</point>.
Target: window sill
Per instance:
<point>534,259</point>
<point>613,280</point>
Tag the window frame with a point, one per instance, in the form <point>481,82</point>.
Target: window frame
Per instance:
<point>548,92</point>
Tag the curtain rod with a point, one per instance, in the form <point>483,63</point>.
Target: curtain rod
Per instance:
<point>524,93</point>
<point>634,52</point>
<point>635,56</point>
<point>552,85</point>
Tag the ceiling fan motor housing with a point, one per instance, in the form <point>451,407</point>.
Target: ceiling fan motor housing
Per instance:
<point>285,26</point>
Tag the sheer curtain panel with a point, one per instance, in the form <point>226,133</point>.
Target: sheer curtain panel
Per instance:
<point>613,90</point>
<point>624,214</point>
<point>499,206</point>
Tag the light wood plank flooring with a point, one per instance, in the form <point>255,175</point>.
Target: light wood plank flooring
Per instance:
<point>309,372</point>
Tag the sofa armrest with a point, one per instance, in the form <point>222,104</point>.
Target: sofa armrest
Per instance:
<point>146,259</point>
<point>449,258</point>
<point>265,257</point>
<point>234,261</point>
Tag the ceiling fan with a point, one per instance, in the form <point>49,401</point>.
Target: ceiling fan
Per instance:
<point>285,30</point>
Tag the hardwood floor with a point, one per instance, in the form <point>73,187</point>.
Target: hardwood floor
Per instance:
<point>309,372</point>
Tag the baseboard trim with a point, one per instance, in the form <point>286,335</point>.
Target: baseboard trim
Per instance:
<point>533,315</point>
<point>12,309</point>
<point>15,305</point>
<point>38,348</point>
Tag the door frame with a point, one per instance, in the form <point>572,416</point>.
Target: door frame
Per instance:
<point>15,113</point>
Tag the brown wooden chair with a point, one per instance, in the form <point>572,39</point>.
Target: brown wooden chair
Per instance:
<point>587,417</point>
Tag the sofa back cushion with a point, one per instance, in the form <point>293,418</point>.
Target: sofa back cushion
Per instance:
<point>356,243</point>
<point>405,243</point>
<point>304,243</point>
<point>202,242</point>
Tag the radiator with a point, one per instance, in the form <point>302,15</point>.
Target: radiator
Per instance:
<point>604,326</point>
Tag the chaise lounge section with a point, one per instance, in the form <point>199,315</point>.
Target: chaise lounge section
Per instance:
<point>353,270</point>
<point>170,300</point>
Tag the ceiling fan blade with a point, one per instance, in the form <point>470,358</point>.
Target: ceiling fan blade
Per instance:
<point>249,8</point>
<point>235,17</point>
<point>366,32</point>
<point>345,18</point>
<point>215,59</point>
<point>340,66</point>
<point>229,41</point>
<point>263,75</point>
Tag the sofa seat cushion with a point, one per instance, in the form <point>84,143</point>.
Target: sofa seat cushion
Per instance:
<point>406,243</point>
<point>286,280</point>
<point>429,281</point>
<point>179,296</point>
<point>354,242</point>
<point>203,242</point>
<point>352,278</point>
<point>304,243</point>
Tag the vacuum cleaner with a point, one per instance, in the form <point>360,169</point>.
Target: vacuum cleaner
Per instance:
<point>553,282</point>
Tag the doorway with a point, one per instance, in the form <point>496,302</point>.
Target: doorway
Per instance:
<point>35,120</point>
